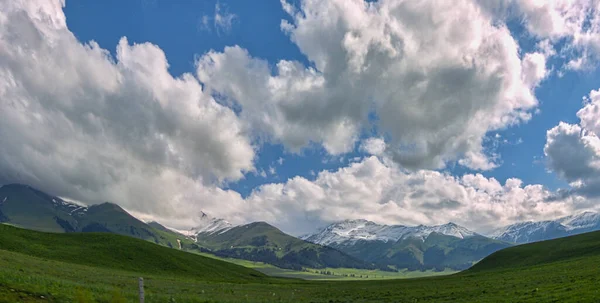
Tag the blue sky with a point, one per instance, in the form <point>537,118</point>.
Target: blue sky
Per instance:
<point>177,28</point>
<point>303,113</point>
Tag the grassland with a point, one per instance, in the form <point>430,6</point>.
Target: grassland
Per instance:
<point>528,273</point>
<point>331,273</point>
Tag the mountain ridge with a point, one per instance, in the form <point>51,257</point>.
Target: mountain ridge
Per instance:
<point>533,231</point>
<point>360,229</point>
<point>27,207</point>
<point>418,247</point>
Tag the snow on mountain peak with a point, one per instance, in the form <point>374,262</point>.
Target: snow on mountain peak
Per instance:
<point>581,221</point>
<point>209,225</point>
<point>352,231</point>
<point>525,232</point>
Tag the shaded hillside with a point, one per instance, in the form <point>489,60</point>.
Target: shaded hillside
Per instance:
<point>121,253</point>
<point>260,241</point>
<point>27,207</point>
<point>30,208</point>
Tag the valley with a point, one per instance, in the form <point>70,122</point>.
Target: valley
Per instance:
<point>38,267</point>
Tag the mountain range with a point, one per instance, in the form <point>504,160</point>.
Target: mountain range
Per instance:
<point>27,207</point>
<point>416,248</point>
<point>526,232</point>
<point>350,243</point>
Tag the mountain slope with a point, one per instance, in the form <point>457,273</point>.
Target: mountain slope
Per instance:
<point>527,232</point>
<point>580,246</point>
<point>30,208</point>
<point>416,248</point>
<point>120,252</point>
<point>27,207</point>
<point>260,241</point>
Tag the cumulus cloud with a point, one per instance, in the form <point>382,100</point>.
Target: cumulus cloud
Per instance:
<point>79,123</point>
<point>438,75</point>
<point>573,150</point>
<point>373,190</point>
<point>576,21</point>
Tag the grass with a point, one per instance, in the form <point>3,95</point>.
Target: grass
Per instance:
<point>120,253</point>
<point>334,273</point>
<point>530,273</point>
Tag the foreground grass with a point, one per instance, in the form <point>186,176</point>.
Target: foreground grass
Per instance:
<point>552,276</point>
<point>29,279</point>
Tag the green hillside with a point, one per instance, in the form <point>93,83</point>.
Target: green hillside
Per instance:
<point>30,208</point>
<point>558,250</point>
<point>25,206</point>
<point>262,242</point>
<point>120,253</point>
<point>44,267</point>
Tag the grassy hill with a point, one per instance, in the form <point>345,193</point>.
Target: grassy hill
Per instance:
<point>558,250</point>
<point>120,253</point>
<point>563,270</point>
<point>262,242</point>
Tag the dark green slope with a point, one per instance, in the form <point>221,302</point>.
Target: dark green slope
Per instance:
<point>25,206</point>
<point>260,241</point>
<point>30,208</point>
<point>534,254</point>
<point>122,253</point>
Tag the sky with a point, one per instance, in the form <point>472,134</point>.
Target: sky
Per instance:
<point>304,113</point>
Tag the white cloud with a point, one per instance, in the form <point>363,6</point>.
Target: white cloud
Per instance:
<point>222,20</point>
<point>436,90</point>
<point>78,123</point>
<point>534,68</point>
<point>573,150</point>
<point>373,190</point>
<point>577,21</point>
<point>373,146</point>
<point>590,113</point>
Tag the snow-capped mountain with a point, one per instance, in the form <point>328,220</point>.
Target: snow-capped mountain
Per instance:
<point>208,225</point>
<point>413,247</point>
<point>351,231</point>
<point>526,232</point>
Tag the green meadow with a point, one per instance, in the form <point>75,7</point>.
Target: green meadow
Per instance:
<point>44,267</point>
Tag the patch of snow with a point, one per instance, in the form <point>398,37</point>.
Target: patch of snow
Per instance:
<point>208,225</point>
<point>4,200</point>
<point>71,201</point>
<point>351,231</point>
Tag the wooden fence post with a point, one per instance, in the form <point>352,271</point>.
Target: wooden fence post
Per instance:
<point>141,284</point>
